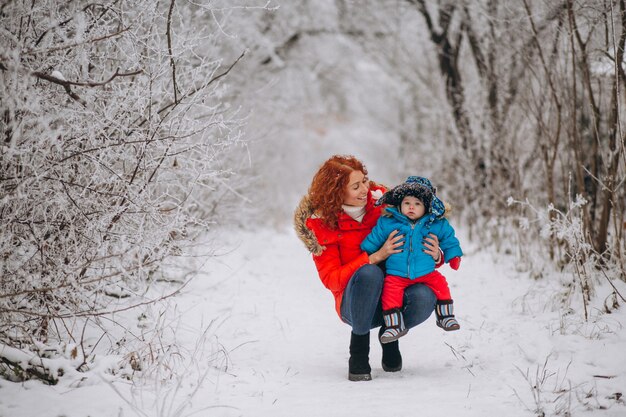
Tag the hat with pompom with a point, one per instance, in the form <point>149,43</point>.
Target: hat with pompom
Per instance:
<point>418,187</point>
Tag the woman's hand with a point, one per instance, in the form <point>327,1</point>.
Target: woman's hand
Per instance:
<point>392,245</point>
<point>431,245</point>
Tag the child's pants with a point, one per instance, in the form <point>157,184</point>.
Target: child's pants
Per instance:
<point>393,288</point>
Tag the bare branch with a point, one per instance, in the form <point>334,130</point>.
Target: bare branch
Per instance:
<point>92,313</point>
<point>73,45</point>
<point>65,84</point>
<point>60,24</point>
<point>169,49</point>
<point>200,88</point>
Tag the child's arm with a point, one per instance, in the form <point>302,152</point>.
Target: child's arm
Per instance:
<point>448,242</point>
<point>376,238</point>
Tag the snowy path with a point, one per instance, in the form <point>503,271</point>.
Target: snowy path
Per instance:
<point>295,359</point>
<point>287,351</point>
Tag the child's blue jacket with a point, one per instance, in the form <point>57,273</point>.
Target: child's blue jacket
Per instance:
<point>412,262</point>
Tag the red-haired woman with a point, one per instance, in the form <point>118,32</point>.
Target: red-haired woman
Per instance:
<point>332,220</point>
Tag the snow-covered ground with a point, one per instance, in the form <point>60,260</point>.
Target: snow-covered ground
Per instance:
<point>262,339</point>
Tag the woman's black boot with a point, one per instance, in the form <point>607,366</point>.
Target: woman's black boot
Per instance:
<point>392,359</point>
<point>359,365</point>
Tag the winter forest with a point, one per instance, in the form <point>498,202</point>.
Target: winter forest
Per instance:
<point>153,152</point>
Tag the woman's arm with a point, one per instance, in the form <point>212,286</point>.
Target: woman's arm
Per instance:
<point>392,245</point>
<point>431,247</point>
<point>376,238</point>
<point>333,274</point>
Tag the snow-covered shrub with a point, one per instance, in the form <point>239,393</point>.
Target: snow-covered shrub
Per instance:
<point>549,234</point>
<point>116,133</point>
<point>173,378</point>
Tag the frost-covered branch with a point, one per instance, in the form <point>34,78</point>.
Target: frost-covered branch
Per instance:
<point>98,199</point>
<point>169,49</point>
<point>57,78</point>
<point>76,44</point>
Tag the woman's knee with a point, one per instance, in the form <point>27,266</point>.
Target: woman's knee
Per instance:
<point>419,303</point>
<point>370,275</point>
<point>421,293</point>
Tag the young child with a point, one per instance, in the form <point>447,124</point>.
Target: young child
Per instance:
<point>416,211</point>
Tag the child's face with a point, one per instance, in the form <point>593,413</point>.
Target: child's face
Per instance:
<point>412,208</point>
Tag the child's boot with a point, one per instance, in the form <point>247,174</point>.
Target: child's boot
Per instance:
<point>445,315</point>
<point>394,326</point>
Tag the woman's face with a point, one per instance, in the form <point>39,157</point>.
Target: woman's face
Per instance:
<point>356,191</point>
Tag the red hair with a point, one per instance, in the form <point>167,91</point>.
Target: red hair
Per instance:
<point>329,185</point>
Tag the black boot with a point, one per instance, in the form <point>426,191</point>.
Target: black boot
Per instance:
<point>359,365</point>
<point>392,359</point>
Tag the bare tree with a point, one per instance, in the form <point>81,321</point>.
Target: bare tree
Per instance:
<point>534,93</point>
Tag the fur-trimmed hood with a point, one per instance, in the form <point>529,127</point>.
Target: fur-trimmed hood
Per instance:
<point>305,221</point>
<point>303,212</point>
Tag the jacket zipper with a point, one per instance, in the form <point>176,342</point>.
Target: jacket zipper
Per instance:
<point>410,251</point>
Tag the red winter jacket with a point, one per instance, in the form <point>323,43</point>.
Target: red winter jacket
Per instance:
<point>336,252</point>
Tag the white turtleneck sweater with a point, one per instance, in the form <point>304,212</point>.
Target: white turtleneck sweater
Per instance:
<point>355,212</point>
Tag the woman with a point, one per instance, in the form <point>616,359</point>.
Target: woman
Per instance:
<point>332,220</point>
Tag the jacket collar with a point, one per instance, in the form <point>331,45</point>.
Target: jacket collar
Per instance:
<point>345,222</point>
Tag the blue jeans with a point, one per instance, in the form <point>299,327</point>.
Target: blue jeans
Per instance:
<point>362,309</point>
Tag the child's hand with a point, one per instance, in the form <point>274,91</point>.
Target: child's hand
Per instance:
<point>455,263</point>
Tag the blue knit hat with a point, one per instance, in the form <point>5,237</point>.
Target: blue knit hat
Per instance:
<point>418,187</point>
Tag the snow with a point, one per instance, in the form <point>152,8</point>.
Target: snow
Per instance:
<point>604,66</point>
<point>56,74</point>
<point>262,339</point>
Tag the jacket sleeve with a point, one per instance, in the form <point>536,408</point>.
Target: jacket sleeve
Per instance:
<point>448,242</point>
<point>333,274</point>
<point>376,239</point>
